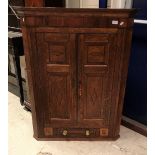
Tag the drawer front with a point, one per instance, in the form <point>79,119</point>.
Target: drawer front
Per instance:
<point>76,132</point>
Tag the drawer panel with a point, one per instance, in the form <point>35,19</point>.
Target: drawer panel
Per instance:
<point>76,132</point>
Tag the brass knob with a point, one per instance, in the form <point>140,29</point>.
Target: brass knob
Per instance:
<point>64,132</point>
<point>87,132</point>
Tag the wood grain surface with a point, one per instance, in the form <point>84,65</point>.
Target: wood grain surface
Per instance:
<point>77,62</point>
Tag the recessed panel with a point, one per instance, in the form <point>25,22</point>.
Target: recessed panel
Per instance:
<point>94,98</point>
<point>57,53</point>
<point>58,97</point>
<point>96,53</point>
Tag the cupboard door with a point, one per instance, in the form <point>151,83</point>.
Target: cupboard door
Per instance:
<point>56,70</point>
<point>96,68</point>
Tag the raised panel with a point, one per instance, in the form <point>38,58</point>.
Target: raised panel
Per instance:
<point>93,105</point>
<point>58,97</point>
<point>57,53</point>
<point>97,54</point>
<point>57,48</point>
<point>96,99</point>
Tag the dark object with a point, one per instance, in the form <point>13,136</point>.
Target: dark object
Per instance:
<point>77,69</point>
<point>45,3</point>
<point>16,84</point>
<point>55,3</point>
<point>15,47</point>
<point>13,22</point>
<point>102,3</point>
<point>136,90</point>
<point>135,103</point>
<point>15,50</point>
<point>142,5</point>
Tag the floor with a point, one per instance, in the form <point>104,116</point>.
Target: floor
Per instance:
<point>21,141</point>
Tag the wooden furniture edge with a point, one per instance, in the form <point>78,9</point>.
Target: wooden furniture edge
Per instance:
<point>77,139</point>
<point>134,125</point>
<point>44,11</point>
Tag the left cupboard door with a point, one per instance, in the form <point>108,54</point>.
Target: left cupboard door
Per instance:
<point>55,80</point>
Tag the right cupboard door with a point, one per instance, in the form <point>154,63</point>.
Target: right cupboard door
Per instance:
<point>96,71</point>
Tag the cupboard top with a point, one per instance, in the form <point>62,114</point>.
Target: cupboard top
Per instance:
<point>75,18</point>
<point>43,11</point>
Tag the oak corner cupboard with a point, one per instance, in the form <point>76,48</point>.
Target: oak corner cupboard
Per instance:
<point>77,62</point>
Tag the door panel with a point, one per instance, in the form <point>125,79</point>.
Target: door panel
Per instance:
<point>60,77</point>
<point>58,97</point>
<point>86,79</point>
<point>96,55</point>
<point>93,107</point>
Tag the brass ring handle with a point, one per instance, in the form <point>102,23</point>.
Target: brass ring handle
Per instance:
<point>64,132</point>
<point>87,132</point>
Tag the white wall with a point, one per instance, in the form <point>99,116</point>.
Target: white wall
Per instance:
<point>108,3</point>
<point>121,3</point>
<point>72,3</point>
<point>95,3</point>
<point>82,3</point>
<point>89,3</point>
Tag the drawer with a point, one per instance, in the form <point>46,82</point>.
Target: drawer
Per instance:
<point>76,132</point>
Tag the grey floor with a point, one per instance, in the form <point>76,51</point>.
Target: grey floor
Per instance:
<point>21,141</point>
